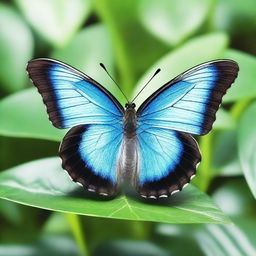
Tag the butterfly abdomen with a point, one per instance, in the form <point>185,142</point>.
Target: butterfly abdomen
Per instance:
<point>129,148</point>
<point>128,159</point>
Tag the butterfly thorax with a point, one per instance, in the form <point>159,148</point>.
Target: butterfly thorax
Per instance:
<point>130,120</point>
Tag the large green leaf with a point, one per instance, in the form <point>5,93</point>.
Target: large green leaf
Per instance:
<point>16,47</point>
<point>228,240</point>
<point>169,20</point>
<point>247,146</point>
<point>245,84</point>
<point>23,115</point>
<point>195,51</point>
<point>58,20</point>
<point>44,184</point>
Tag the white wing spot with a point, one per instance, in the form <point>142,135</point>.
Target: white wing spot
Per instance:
<point>163,196</point>
<point>103,194</point>
<point>185,185</point>
<point>192,176</point>
<point>175,191</point>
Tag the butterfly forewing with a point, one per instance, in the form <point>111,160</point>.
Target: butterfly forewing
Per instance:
<point>189,102</point>
<point>71,97</point>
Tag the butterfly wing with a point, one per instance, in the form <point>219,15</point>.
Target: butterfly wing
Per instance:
<point>189,102</point>
<point>90,150</point>
<point>90,155</point>
<point>167,161</point>
<point>168,155</point>
<point>71,97</point>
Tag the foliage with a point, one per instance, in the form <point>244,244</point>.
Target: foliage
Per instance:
<point>22,184</point>
<point>42,211</point>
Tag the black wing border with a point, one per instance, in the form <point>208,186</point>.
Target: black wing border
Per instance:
<point>79,73</point>
<point>233,64</point>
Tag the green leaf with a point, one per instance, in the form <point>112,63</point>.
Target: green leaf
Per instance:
<point>50,245</point>
<point>225,154</point>
<point>86,54</point>
<point>247,146</point>
<point>44,184</point>
<point>129,38</point>
<point>235,16</point>
<point>56,224</point>
<point>128,248</point>
<point>19,119</point>
<point>244,86</point>
<point>195,51</point>
<point>21,148</point>
<point>168,20</point>
<point>132,230</point>
<point>224,120</point>
<point>177,239</point>
<point>23,115</point>
<point>57,21</point>
<point>10,212</point>
<point>234,197</point>
<point>16,49</point>
<point>228,240</point>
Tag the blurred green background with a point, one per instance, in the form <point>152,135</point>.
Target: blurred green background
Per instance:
<point>132,38</point>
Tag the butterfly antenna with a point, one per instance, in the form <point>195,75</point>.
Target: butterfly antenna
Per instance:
<point>158,70</point>
<point>102,65</point>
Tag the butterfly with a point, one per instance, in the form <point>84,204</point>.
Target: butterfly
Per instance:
<point>151,147</point>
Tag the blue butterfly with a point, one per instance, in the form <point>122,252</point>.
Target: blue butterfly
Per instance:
<point>151,147</point>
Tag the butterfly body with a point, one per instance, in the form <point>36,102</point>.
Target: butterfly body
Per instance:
<point>130,121</point>
<point>151,147</point>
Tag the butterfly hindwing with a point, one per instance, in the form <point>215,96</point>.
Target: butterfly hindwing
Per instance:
<point>189,102</point>
<point>71,97</point>
<point>90,155</point>
<point>167,160</point>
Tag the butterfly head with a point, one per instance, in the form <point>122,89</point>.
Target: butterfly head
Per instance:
<point>130,105</point>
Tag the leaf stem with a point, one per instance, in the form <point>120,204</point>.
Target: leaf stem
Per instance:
<point>204,171</point>
<point>210,16</point>
<point>239,107</point>
<point>75,225</point>
<point>107,14</point>
<point>141,230</point>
